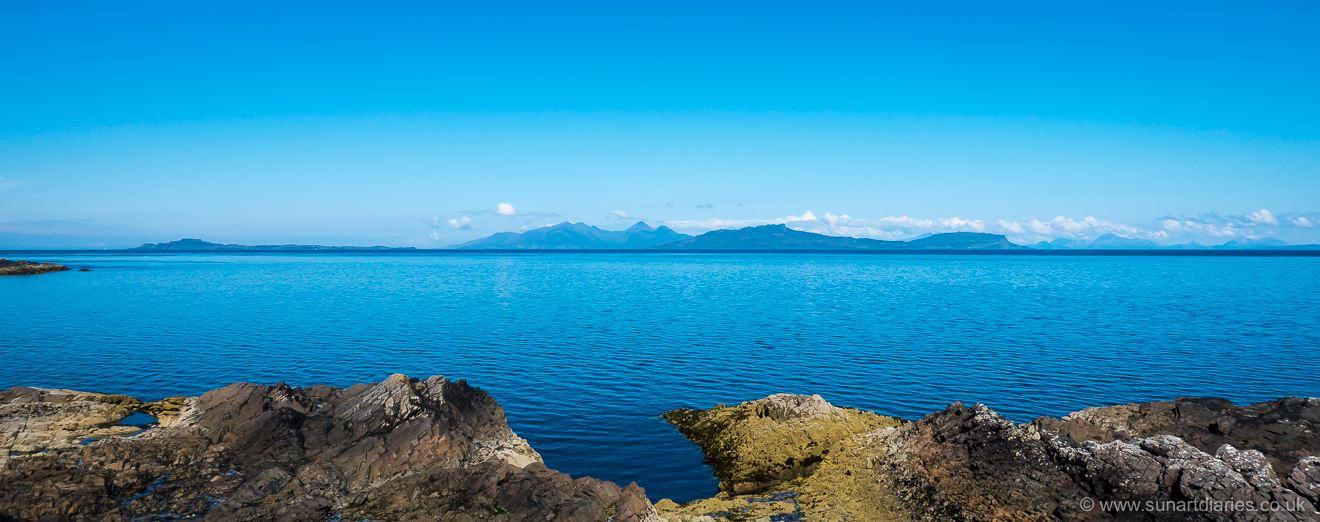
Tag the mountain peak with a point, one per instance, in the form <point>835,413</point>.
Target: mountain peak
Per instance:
<point>1112,241</point>
<point>578,236</point>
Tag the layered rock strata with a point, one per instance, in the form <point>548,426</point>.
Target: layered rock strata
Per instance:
<point>21,267</point>
<point>35,420</point>
<point>402,449</point>
<point>1283,430</point>
<point>969,463</point>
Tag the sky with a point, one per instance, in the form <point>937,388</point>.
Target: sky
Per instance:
<point>431,124</point>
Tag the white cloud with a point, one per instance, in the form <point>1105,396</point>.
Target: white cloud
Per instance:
<point>460,223</point>
<point>6,185</point>
<point>619,214</point>
<point>1034,230</point>
<point>505,209</point>
<point>1262,216</point>
<point>891,227</point>
<point>434,236</point>
<point>1167,230</point>
<point>1252,225</point>
<point>719,224</point>
<point>888,228</point>
<point>1194,227</point>
<point>1209,228</point>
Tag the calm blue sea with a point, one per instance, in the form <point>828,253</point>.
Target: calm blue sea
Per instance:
<point>586,350</point>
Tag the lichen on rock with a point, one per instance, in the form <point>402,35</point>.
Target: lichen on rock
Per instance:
<point>758,445</point>
<point>787,457</point>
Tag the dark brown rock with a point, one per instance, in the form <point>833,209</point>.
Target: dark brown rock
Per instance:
<point>21,267</point>
<point>972,464</point>
<point>402,449</point>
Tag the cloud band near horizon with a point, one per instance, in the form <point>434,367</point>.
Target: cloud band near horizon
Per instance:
<point>1293,227</point>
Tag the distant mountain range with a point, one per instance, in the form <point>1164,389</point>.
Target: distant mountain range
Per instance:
<point>197,244</point>
<point>1113,242</point>
<point>780,237</point>
<point>767,237</point>
<point>577,236</point>
<point>580,236</point>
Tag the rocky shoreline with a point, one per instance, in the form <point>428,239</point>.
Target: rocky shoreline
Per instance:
<point>21,267</point>
<point>1188,459</point>
<point>435,449</point>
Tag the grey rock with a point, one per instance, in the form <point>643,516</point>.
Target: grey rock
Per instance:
<point>1305,479</point>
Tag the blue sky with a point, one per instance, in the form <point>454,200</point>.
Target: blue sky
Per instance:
<point>409,124</point>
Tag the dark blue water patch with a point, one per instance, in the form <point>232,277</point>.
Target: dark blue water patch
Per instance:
<point>162,481</point>
<point>585,350</point>
<point>138,420</point>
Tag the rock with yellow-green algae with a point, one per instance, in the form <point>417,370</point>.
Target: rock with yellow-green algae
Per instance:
<point>787,457</point>
<point>167,410</point>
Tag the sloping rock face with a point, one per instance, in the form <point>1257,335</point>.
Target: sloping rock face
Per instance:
<point>21,267</point>
<point>33,420</point>
<point>971,464</point>
<point>1285,430</point>
<point>402,449</point>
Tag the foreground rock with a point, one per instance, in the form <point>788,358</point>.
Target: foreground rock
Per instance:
<point>34,420</point>
<point>1284,431</point>
<point>21,267</point>
<point>969,463</point>
<point>402,449</point>
<point>786,457</point>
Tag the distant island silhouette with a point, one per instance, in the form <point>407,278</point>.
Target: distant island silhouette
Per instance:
<point>1114,242</point>
<point>197,244</point>
<point>577,236</point>
<point>766,237</point>
<point>640,236</point>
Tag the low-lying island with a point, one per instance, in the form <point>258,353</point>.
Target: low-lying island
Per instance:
<point>22,267</point>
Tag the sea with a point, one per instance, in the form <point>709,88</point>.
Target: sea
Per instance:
<point>586,350</point>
